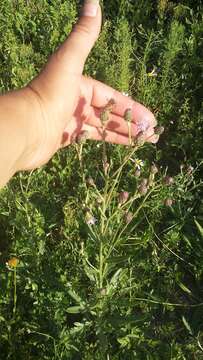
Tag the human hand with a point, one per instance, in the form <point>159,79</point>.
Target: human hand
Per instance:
<point>64,103</point>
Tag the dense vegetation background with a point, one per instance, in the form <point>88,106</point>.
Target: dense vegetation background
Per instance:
<point>111,290</point>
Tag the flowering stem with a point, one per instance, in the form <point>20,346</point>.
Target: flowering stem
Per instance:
<point>101,264</point>
<point>117,174</point>
<point>79,149</point>
<point>101,256</point>
<point>117,235</point>
<point>130,202</point>
<point>129,133</point>
<point>104,156</point>
<point>15,292</point>
<point>127,158</point>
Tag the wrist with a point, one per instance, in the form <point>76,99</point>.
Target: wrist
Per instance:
<point>19,131</point>
<point>14,133</point>
<point>27,133</point>
<point>42,133</point>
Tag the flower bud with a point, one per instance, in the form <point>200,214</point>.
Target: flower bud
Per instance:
<point>82,137</point>
<point>190,170</point>
<point>128,217</point>
<point>142,189</point>
<point>128,115</point>
<point>144,182</point>
<point>85,208</point>
<point>90,181</point>
<point>137,173</point>
<point>106,166</point>
<point>103,292</point>
<point>99,201</point>
<point>111,103</point>
<point>168,202</point>
<point>123,197</point>
<point>150,180</point>
<point>154,169</point>
<point>140,139</point>
<point>168,180</point>
<point>158,130</point>
<point>104,117</point>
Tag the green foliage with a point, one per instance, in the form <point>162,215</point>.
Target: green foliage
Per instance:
<point>119,74</point>
<point>83,276</point>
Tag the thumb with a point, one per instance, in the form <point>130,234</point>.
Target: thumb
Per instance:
<point>82,38</point>
<point>70,57</point>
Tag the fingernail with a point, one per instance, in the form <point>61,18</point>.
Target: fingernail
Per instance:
<point>90,8</point>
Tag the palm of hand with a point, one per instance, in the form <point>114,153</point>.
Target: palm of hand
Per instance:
<point>76,108</point>
<point>94,96</point>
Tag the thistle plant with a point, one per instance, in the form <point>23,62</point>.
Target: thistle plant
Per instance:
<point>116,221</point>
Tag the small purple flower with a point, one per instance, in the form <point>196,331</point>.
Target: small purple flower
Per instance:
<point>143,125</point>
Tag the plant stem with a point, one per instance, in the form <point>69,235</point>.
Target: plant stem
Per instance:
<point>15,293</point>
<point>117,235</point>
<point>101,264</point>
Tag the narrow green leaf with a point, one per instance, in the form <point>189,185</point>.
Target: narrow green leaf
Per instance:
<point>199,227</point>
<point>187,325</point>
<point>75,296</point>
<point>90,272</point>
<point>116,277</point>
<point>184,288</point>
<point>2,319</point>
<point>74,309</point>
<point>187,241</point>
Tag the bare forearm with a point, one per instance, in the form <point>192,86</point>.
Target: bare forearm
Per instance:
<point>14,124</point>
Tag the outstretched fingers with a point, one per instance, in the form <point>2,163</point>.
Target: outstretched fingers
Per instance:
<point>95,133</point>
<point>115,123</point>
<point>101,94</point>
